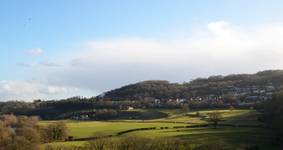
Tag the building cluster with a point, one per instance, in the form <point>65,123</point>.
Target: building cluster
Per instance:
<point>241,95</point>
<point>251,92</point>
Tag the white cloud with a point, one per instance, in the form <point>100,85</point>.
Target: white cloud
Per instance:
<point>47,63</point>
<point>221,44</point>
<point>34,52</point>
<point>23,64</point>
<point>217,48</point>
<point>30,90</point>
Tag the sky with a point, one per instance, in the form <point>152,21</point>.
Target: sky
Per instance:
<point>54,49</point>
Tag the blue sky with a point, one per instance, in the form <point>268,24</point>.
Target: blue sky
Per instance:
<point>62,48</point>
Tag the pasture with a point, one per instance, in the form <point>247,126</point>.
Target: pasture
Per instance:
<point>176,118</point>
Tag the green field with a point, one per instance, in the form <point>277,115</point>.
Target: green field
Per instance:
<point>236,136</point>
<point>231,135</point>
<point>87,129</point>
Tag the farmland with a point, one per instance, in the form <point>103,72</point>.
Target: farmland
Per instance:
<point>234,128</point>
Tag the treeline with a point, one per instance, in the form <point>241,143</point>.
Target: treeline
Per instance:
<point>24,133</point>
<point>274,115</point>
<point>96,109</point>
<point>202,86</point>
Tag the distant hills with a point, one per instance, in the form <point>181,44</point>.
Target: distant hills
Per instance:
<point>237,90</point>
<point>233,84</point>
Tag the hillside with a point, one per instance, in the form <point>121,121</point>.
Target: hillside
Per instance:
<point>240,91</point>
<point>235,84</point>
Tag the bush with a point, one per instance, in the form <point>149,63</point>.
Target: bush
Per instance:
<point>54,132</point>
<point>17,136</point>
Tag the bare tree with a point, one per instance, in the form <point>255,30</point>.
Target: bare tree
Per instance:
<point>215,117</point>
<point>54,132</point>
<point>9,120</point>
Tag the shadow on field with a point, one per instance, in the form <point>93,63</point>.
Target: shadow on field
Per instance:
<point>232,136</point>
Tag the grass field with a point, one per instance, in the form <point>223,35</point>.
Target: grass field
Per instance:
<point>87,129</point>
<point>234,136</point>
<point>230,135</point>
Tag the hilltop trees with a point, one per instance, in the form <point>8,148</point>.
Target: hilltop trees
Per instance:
<point>159,89</point>
<point>150,89</point>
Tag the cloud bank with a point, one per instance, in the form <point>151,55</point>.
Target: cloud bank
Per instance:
<point>31,90</point>
<point>217,48</point>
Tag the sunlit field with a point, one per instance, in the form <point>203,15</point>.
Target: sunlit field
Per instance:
<point>177,118</point>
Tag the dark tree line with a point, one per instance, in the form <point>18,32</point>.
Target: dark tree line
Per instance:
<point>274,115</point>
<point>96,109</point>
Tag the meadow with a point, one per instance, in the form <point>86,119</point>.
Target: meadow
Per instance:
<point>177,125</point>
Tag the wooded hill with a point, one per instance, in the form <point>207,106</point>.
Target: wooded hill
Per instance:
<point>110,105</point>
<point>213,85</point>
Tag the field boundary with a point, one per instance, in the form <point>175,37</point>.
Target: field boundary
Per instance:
<point>164,128</point>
